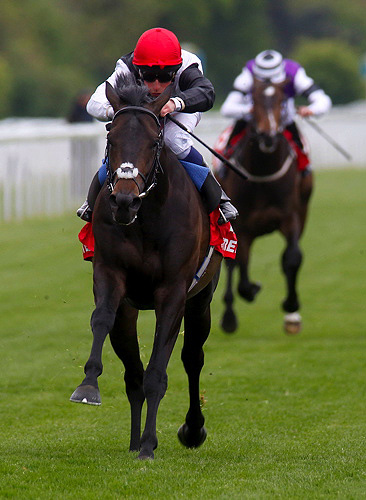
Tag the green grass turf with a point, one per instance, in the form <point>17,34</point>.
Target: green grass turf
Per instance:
<point>285,415</point>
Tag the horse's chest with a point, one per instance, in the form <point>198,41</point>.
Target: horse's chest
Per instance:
<point>263,208</point>
<point>257,196</point>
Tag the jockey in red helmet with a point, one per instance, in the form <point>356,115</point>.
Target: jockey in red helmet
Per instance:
<point>156,62</point>
<point>157,47</point>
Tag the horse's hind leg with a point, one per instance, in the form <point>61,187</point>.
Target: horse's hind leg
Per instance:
<point>291,262</point>
<point>229,322</point>
<point>197,324</point>
<point>107,293</point>
<point>124,341</point>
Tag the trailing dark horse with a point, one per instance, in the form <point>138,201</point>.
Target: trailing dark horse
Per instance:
<point>151,235</point>
<point>274,198</point>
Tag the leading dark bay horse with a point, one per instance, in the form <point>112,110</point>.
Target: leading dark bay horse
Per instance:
<point>274,198</point>
<point>151,235</point>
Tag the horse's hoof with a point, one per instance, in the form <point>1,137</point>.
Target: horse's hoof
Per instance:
<point>134,447</point>
<point>191,439</point>
<point>144,455</point>
<point>86,394</point>
<point>249,292</point>
<point>229,322</point>
<point>292,323</point>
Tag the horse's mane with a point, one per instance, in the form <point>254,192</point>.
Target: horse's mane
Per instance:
<point>130,91</point>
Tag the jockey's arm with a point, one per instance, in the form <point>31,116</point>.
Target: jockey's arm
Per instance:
<point>238,104</point>
<point>98,106</point>
<point>319,101</point>
<point>195,90</point>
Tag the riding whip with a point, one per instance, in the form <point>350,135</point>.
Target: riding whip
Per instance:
<point>329,139</point>
<point>215,153</point>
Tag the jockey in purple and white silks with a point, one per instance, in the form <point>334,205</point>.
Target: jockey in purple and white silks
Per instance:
<point>270,65</point>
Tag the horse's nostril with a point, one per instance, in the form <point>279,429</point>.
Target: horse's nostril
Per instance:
<point>135,203</point>
<point>113,202</point>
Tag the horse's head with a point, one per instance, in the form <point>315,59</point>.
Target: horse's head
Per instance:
<point>268,99</point>
<point>134,144</point>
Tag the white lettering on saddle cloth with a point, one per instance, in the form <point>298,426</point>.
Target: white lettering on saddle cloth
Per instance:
<point>229,245</point>
<point>127,171</point>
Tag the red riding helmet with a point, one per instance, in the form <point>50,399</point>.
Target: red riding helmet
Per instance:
<point>157,47</point>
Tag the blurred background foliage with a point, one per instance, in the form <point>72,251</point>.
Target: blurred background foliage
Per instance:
<point>51,49</point>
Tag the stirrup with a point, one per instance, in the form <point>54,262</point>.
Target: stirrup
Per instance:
<point>85,212</point>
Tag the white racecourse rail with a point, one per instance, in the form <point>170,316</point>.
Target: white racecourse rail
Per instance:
<point>46,164</point>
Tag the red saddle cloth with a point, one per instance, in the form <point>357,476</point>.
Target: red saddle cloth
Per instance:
<point>302,158</point>
<point>86,238</point>
<point>223,238</point>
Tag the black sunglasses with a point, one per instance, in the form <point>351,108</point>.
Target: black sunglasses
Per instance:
<point>150,75</point>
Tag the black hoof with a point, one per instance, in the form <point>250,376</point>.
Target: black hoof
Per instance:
<point>249,292</point>
<point>86,394</point>
<point>135,447</point>
<point>144,455</point>
<point>229,322</point>
<point>191,439</point>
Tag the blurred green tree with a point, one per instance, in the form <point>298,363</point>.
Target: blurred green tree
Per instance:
<point>5,87</point>
<point>334,65</point>
<point>49,50</point>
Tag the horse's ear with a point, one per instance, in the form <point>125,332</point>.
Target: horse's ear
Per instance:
<point>156,105</point>
<point>259,83</point>
<point>112,97</point>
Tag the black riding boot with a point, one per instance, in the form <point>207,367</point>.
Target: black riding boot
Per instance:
<point>213,196</point>
<point>85,212</point>
<point>238,127</point>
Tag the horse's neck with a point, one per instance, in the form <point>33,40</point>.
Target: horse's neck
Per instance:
<point>172,182</point>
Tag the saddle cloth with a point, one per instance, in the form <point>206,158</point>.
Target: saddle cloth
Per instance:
<point>223,238</point>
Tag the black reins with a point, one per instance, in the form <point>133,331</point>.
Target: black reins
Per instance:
<point>128,171</point>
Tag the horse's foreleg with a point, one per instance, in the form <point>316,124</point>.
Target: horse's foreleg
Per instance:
<point>124,341</point>
<point>305,191</point>
<point>247,289</point>
<point>197,324</point>
<point>107,294</point>
<point>229,322</point>
<point>169,311</point>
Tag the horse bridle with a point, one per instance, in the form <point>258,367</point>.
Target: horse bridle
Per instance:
<point>253,133</point>
<point>270,116</point>
<point>128,171</point>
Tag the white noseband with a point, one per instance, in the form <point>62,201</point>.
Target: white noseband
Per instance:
<point>127,171</point>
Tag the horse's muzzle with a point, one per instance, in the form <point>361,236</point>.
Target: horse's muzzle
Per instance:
<point>124,207</point>
<point>268,142</point>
